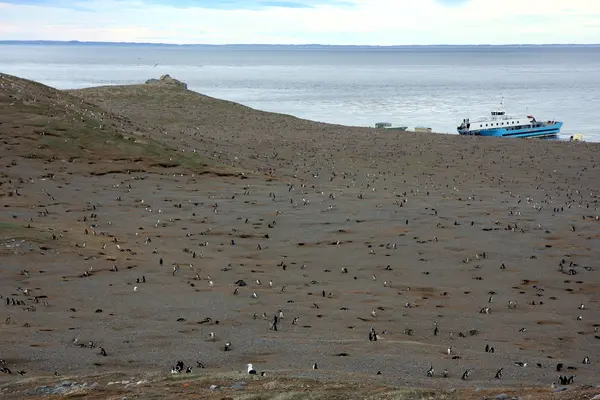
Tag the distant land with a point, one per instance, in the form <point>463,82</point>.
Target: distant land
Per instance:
<point>283,46</point>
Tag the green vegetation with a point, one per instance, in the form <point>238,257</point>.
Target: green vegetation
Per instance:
<point>41,122</point>
<point>11,231</point>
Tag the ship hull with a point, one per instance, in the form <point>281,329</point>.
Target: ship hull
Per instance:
<point>546,130</point>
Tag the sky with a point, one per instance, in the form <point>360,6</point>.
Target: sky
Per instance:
<point>337,22</point>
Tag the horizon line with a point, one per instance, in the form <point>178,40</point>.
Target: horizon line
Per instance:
<point>295,45</point>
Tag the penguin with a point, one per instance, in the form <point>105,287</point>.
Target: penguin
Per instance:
<point>445,373</point>
<point>103,352</point>
<point>227,347</point>
<point>251,370</point>
<point>315,366</point>
<point>499,373</point>
<point>179,366</point>
<point>520,364</point>
<point>586,360</point>
<point>465,375</point>
<point>188,370</point>
<point>430,372</point>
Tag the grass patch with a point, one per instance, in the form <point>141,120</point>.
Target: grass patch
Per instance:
<point>10,231</point>
<point>44,123</point>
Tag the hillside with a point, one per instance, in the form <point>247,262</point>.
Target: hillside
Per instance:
<point>39,122</point>
<point>149,224</point>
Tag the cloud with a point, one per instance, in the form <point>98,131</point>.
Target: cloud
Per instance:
<point>358,22</point>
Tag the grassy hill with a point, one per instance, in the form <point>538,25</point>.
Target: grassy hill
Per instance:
<point>37,121</point>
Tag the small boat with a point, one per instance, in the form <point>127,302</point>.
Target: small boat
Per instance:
<point>423,129</point>
<point>501,125</point>
<point>387,125</point>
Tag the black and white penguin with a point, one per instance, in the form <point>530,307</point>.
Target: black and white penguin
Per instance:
<point>315,366</point>
<point>430,372</point>
<point>179,366</point>
<point>251,370</point>
<point>499,373</point>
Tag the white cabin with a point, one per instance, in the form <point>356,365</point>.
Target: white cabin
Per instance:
<point>499,119</point>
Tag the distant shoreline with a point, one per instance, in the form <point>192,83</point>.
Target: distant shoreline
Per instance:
<point>293,46</point>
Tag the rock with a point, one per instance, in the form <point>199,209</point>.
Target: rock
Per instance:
<point>66,383</point>
<point>596,397</point>
<point>239,385</point>
<point>167,81</point>
<point>502,396</point>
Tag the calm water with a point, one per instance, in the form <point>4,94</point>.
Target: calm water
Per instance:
<point>432,86</point>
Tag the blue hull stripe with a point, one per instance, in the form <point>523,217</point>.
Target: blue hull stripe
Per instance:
<point>541,131</point>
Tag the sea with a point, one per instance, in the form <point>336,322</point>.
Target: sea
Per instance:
<point>433,86</point>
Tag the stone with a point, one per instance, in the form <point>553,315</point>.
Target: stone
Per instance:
<point>166,80</point>
<point>502,396</point>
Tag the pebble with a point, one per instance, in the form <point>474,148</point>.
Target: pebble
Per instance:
<point>239,385</point>
<point>62,388</point>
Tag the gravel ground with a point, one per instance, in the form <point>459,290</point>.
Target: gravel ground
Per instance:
<point>409,217</point>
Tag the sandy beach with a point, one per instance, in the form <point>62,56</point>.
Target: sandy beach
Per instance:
<point>129,216</point>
